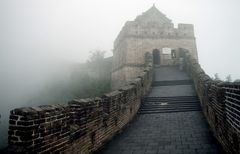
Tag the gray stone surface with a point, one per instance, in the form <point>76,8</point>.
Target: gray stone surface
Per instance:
<point>171,133</point>
<point>166,133</point>
<point>169,73</point>
<point>167,91</point>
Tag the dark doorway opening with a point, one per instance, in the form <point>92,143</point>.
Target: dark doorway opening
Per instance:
<point>174,54</point>
<point>156,57</point>
<point>182,52</point>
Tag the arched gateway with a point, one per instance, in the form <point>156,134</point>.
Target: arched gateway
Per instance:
<point>150,32</point>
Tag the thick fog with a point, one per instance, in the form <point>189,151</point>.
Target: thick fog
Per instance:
<point>41,40</point>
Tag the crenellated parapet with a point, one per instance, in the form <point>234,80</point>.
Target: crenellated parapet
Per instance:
<point>133,29</point>
<point>220,102</point>
<point>38,129</point>
<point>82,125</point>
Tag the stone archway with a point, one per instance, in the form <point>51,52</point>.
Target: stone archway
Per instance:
<point>156,57</point>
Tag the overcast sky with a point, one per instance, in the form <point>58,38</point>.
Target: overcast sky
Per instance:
<point>33,31</point>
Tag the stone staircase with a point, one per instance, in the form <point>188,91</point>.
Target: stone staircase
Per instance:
<point>170,80</point>
<point>169,104</point>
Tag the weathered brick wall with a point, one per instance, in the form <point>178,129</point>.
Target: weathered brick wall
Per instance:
<point>220,102</point>
<point>39,129</point>
<point>81,126</point>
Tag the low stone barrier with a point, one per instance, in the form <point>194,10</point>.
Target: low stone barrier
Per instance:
<point>81,126</point>
<point>220,102</point>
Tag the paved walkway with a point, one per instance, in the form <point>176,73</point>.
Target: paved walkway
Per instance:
<point>161,127</point>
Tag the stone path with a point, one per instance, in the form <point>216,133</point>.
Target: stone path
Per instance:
<point>170,121</point>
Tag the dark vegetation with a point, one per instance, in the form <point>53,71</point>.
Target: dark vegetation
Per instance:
<point>227,79</point>
<point>94,77</point>
<point>90,79</point>
<point>72,81</point>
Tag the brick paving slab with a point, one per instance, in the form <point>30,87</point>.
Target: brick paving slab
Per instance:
<point>169,73</point>
<point>180,132</point>
<point>167,91</point>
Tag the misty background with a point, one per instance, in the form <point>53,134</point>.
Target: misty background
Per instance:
<point>42,42</point>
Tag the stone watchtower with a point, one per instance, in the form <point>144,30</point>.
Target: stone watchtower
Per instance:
<point>150,32</point>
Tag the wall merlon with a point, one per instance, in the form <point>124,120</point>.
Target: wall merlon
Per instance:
<point>127,88</point>
<point>185,26</point>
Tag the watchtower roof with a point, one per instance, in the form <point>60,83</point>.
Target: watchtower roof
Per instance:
<point>153,15</point>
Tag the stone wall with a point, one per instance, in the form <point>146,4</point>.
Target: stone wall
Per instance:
<point>220,102</point>
<point>81,126</point>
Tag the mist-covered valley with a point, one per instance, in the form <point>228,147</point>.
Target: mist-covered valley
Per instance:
<point>35,81</point>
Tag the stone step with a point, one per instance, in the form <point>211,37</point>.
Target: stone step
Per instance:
<point>170,99</point>
<point>169,104</point>
<point>170,108</point>
<point>166,105</point>
<point>172,82</point>
<point>168,111</point>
